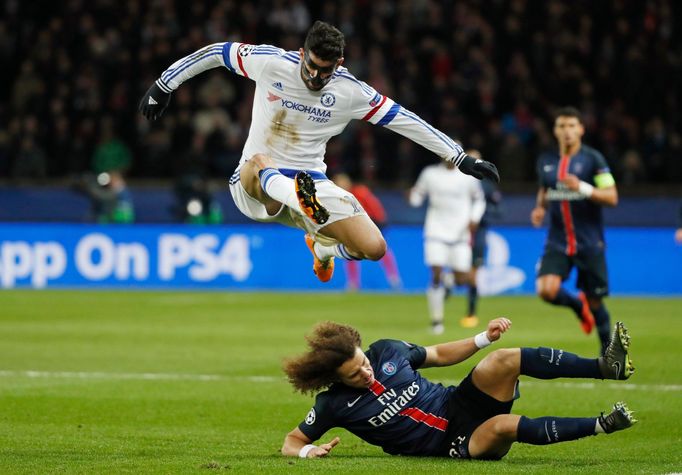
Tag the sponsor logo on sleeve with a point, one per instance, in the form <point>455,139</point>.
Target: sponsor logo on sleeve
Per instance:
<point>375,100</point>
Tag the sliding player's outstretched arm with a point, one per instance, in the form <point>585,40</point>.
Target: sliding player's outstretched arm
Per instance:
<point>296,443</point>
<point>447,354</point>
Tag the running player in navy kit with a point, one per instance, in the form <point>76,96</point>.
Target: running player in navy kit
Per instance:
<point>575,182</point>
<point>379,395</point>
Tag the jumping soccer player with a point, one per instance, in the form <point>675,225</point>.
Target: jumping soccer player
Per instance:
<point>302,99</point>
<point>380,396</point>
<point>575,182</point>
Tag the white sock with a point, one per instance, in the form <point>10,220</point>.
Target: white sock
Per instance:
<point>435,297</point>
<point>279,188</point>
<point>598,429</point>
<point>337,250</point>
<point>448,279</point>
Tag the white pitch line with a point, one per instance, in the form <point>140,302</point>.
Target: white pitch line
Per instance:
<point>609,385</point>
<point>271,379</point>
<point>132,376</point>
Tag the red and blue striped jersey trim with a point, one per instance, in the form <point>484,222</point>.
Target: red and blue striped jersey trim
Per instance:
<point>565,206</point>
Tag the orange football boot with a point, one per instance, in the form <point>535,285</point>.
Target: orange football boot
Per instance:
<point>324,270</point>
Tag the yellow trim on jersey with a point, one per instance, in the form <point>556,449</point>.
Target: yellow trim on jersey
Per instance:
<point>604,180</point>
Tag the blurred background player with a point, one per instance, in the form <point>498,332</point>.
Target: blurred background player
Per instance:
<point>575,182</point>
<point>455,206</point>
<point>479,247</point>
<point>376,212</point>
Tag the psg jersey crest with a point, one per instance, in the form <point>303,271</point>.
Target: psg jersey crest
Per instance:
<point>388,368</point>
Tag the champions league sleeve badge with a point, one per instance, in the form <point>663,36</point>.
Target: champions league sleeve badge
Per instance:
<point>310,418</point>
<point>245,49</point>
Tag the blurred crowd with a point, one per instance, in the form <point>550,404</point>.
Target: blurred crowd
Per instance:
<point>487,72</point>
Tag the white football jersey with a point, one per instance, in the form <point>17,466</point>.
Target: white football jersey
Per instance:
<point>455,200</point>
<point>293,124</point>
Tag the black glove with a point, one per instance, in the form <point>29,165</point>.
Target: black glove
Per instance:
<point>154,102</point>
<point>479,169</point>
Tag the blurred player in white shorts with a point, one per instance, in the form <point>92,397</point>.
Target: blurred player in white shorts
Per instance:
<point>455,206</point>
<point>302,99</point>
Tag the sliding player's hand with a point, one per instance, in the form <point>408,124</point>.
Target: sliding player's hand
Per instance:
<point>479,169</point>
<point>324,449</point>
<point>497,327</point>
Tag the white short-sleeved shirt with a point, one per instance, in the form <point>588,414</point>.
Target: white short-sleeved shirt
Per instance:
<point>454,200</point>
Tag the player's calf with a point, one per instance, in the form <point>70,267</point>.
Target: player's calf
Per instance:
<point>550,430</point>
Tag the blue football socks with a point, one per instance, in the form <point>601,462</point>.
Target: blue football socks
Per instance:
<point>550,363</point>
<point>550,430</point>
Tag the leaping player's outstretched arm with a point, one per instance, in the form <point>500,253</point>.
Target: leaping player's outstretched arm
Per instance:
<point>240,58</point>
<point>371,106</point>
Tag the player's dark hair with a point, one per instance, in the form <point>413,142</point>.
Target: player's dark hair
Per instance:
<point>325,41</point>
<point>567,111</point>
<point>331,344</point>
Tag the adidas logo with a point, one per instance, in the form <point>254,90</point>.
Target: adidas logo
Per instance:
<point>278,85</point>
<point>152,102</point>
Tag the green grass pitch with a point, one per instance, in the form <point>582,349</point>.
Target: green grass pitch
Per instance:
<point>190,382</point>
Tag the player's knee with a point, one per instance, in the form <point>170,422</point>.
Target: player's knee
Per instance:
<point>546,293</point>
<point>505,361</point>
<point>505,429</point>
<point>374,248</point>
